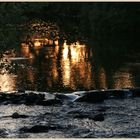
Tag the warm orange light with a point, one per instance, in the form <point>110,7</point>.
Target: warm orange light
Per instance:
<point>65,51</point>
<point>7,82</point>
<point>102,78</point>
<point>75,66</point>
<point>122,79</point>
<point>37,43</point>
<point>56,42</point>
<point>25,50</point>
<point>51,42</point>
<point>45,41</point>
<point>66,72</point>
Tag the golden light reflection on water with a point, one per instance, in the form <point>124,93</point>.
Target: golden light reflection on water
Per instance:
<point>7,82</point>
<point>37,45</point>
<point>65,62</point>
<point>75,70</point>
<point>67,65</point>
<point>102,78</point>
<point>123,79</point>
<point>25,51</point>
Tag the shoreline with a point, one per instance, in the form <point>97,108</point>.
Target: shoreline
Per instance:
<point>33,115</point>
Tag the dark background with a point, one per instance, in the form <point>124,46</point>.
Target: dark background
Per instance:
<point>112,25</point>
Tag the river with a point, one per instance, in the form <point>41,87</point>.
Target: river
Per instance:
<point>42,64</point>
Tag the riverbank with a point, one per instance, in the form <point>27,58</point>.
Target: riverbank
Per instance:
<point>66,118</point>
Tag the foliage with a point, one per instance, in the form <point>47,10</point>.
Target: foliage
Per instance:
<point>12,17</point>
<point>107,23</point>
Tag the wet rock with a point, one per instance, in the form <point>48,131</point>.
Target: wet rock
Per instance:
<point>78,132</point>
<point>116,93</point>
<point>21,90</point>
<point>62,97</point>
<point>88,135</point>
<point>74,112</point>
<point>96,96</point>
<point>135,92</point>
<point>89,115</point>
<point>35,129</point>
<point>3,97</point>
<point>92,97</point>
<point>82,116</point>
<point>32,98</point>
<point>16,115</point>
<point>99,117</point>
<point>6,102</point>
<point>40,128</point>
<point>28,99</point>
<point>50,102</point>
<point>103,109</point>
<point>3,133</point>
<point>70,97</point>
<point>10,98</point>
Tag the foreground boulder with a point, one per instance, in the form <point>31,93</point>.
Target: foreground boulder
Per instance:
<point>96,96</point>
<point>41,128</point>
<point>117,93</point>
<point>50,102</point>
<point>47,99</point>
<point>92,97</point>
<point>16,115</point>
<point>33,98</point>
<point>95,117</point>
<point>27,99</point>
<point>99,117</point>
<point>135,92</point>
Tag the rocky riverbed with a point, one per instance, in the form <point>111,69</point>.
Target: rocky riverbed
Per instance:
<point>29,114</point>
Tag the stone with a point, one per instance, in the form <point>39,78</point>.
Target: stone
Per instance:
<point>40,128</point>
<point>21,90</point>
<point>103,109</point>
<point>116,93</point>
<point>32,98</point>
<point>35,129</point>
<point>93,116</point>
<point>50,102</point>
<point>77,132</point>
<point>99,117</point>
<point>62,96</point>
<point>74,111</point>
<point>81,116</point>
<point>91,97</point>
<point>3,133</point>
<point>16,115</point>
<point>135,92</point>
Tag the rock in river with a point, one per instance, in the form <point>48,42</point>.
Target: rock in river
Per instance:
<point>41,128</point>
<point>95,117</point>
<point>99,117</point>
<point>50,102</point>
<point>92,97</point>
<point>16,115</point>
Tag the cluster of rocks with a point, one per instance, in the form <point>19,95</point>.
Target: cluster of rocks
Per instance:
<point>27,99</point>
<point>71,119</point>
<point>94,96</point>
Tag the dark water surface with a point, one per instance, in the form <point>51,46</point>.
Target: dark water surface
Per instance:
<point>44,65</point>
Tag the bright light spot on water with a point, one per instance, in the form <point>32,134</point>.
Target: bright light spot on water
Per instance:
<point>102,78</point>
<point>123,79</point>
<point>65,51</point>
<point>7,82</point>
<point>37,44</point>
<point>74,65</point>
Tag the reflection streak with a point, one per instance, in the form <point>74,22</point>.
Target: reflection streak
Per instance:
<point>7,82</point>
<point>122,79</point>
